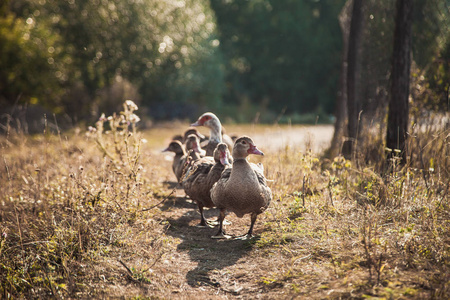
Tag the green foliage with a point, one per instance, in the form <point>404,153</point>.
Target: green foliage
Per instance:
<point>29,68</point>
<point>167,50</point>
<point>280,54</point>
<point>432,83</point>
<point>430,54</point>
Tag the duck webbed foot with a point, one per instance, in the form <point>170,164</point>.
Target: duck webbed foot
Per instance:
<point>203,222</point>
<point>214,223</point>
<point>249,234</point>
<point>207,224</point>
<point>221,235</point>
<point>245,237</point>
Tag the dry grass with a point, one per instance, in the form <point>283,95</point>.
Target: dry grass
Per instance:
<point>85,217</point>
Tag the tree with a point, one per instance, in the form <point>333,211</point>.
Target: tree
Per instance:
<point>398,113</point>
<point>166,50</point>
<point>353,75</point>
<point>341,103</point>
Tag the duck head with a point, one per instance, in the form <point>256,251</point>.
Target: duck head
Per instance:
<point>176,147</point>
<point>222,154</point>
<point>193,143</point>
<point>212,122</point>
<point>245,146</point>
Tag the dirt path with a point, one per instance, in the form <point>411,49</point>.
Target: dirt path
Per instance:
<point>211,267</point>
<point>221,269</point>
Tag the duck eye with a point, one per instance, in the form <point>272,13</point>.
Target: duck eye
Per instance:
<point>244,142</point>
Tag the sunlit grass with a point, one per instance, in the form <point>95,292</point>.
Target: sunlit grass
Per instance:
<point>75,220</point>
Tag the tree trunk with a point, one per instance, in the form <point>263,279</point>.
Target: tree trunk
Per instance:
<point>341,105</point>
<point>398,114</point>
<point>353,76</point>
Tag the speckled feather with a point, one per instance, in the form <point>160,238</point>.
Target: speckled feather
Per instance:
<point>243,188</point>
<point>205,172</point>
<point>210,147</point>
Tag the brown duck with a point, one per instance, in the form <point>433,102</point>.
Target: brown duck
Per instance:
<point>192,130</point>
<point>241,189</point>
<point>183,137</point>
<point>179,160</point>
<point>176,147</point>
<point>202,175</point>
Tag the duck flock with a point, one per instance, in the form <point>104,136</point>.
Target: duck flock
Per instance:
<point>213,177</point>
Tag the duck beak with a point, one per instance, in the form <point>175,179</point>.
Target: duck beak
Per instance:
<point>197,123</point>
<point>254,150</point>
<point>166,150</point>
<point>224,159</point>
<point>196,148</point>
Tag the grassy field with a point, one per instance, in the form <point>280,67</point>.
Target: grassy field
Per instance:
<point>96,214</point>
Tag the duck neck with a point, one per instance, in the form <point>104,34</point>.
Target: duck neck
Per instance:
<point>240,164</point>
<point>215,131</point>
<point>194,155</point>
<point>181,153</point>
<point>242,172</point>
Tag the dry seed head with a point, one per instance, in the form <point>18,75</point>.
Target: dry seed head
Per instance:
<point>134,118</point>
<point>102,118</point>
<point>130,105</point>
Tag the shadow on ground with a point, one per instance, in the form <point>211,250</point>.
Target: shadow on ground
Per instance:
<point>211,255</point>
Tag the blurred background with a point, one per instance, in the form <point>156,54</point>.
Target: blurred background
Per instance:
<point>248,61</point>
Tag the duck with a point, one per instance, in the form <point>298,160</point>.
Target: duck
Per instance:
<point>193,154</point>
<point>201,177</point>
<point>180,153</point>
<point>179,164</point>
<point>182,137</point>
<point>178,137</point>
<point>192,130</point>
<point>212,122</point>
<point>241,189</point>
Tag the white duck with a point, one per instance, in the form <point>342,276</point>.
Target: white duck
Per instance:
<point>212,122</point>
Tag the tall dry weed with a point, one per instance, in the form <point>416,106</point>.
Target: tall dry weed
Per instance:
<point>68,202</point>
<point>386,220</point>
